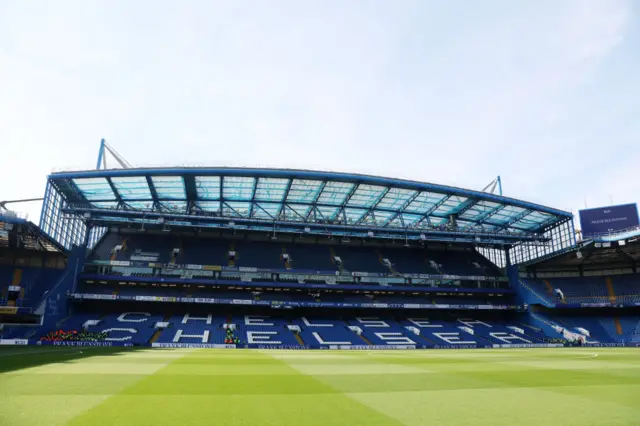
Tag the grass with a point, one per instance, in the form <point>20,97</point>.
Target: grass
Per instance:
<point>103,386</point>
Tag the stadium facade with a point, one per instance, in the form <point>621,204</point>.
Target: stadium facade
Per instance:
<point>242,257</point>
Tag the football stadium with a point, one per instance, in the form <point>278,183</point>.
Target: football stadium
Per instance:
<point>257,296</point>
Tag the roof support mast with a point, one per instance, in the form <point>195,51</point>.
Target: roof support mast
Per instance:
<point>102,158</point>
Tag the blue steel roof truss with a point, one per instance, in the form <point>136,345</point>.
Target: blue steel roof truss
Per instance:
<point>400,211</point>
<point>152,189</point>
<point>284,198</point>
<point>305,198</point>
<point>314,204</point>
<point>253,197</point>
<point>371,210</point>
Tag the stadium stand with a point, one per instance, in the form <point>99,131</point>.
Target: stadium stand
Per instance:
<point>289,258</point>
<point>143,328</point>
<point>305,257</point>
<point>604,289</point>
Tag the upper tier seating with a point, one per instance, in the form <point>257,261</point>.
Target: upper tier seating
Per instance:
<point>270,255</point>
<point>624,289</point>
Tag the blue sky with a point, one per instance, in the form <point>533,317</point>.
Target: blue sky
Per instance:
<point>544,93</point>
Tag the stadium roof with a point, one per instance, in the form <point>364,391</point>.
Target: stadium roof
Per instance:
<point>247,195</point>
<point>17,232</point>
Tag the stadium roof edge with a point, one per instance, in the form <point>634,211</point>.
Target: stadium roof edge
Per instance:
<point>309,174</point>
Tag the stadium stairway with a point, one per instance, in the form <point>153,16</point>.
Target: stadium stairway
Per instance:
<point>532,296</point>
<point>364,339</point>
<point>551,292</point>
<point>549,286</point>
<point>611,291</point>
<point>390,267</point>
<point>618,326</point>
<point>333,260</point>
<point>232,262</point>
<point>287,264</point>
<point>299,338</point>
<point>115,254</point>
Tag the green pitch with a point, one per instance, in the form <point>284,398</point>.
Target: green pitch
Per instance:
<point>64,386</point>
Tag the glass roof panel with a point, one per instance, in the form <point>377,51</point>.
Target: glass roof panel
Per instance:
<point>326,212</point>
<point>95,189</point>
<point>271,189</point>
<point>396,198</point>
<point>451,206</point>
<point>132,187</point>
<point>209,206</point>
<point>395,223</point>
<point>169,187</point>
<point>532,221</point>
<point>237,188</point>
<point>208,187</point>
<point>366,195</point>
<point>479,210</point>
<point>266,210</point>
<point>411,219</point>
<point>377,218</point>
<point>424,202</point>
<point>304,191</point>
<point>505,215</point>
<point>335,193</point>
<point>235,209</point>
<point>297,212</point>
<point>354,215</point>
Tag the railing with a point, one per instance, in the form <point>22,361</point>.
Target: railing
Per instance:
<point>545,300</point>
<point>612,233</point>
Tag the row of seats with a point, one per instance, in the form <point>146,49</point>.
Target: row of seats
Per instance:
<point>143,328</point>
<point>287,296</point>
<point>33,283</point>
<point>269,255</point>
<point>604,329</point>
<point>616,289</point>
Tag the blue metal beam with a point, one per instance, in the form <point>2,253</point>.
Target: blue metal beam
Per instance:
<point>286,194</point>
<point>154,194</point>
<point>402,209</point>
<point>469,204</point>
<point>346,200</point>
<point>116,193</point>
<point>480,220</point>
<point>438,215</point>
<point>516,219</point>
<point>314,203</point>
<point>100,155</point>
<point>294,211</point>
<point>427,215</point>
<point>230,208</point>
<point>191,191</point>
<point>260,207</point>
<point>253,197</point>
<point>370,210</point>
